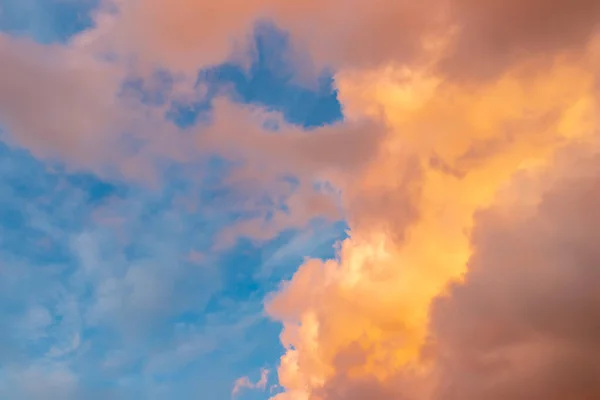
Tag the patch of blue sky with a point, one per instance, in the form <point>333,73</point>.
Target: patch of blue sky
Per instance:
<point>46,21</point>
<point>67,278</point>
<point>67,311</point>
<point>271,81</point>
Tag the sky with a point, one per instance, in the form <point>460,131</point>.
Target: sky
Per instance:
<point>300,200</point>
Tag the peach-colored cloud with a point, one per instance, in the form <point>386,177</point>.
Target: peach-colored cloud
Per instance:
<point>481,37</point>
<point>56,101</point>
<point>183,35</point>
<point>358,326</point>
<point>62,102</point>
<point>68,103</point>
<point>522,325</point>
<point>187,35</point>
<point>266,157</point>
<point>457,35</point>
<point>240,132</point>
<point>493,34</point>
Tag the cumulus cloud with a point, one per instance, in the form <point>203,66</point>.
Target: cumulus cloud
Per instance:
<point>360,326</point>
<point>521,325</point>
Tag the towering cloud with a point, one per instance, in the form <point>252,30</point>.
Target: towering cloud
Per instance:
<point>524,324</point>
<point>418,303</point>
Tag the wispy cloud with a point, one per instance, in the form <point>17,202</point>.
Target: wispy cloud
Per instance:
<point>244,383</point>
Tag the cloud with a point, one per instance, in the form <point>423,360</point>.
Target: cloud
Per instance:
<point>109,120</point>
<point>103,122</point>
<point>493,34</point>
<point>58,102</point>
<point>302,243</point>
<point>265,160</point>
<point>201,35</point>
<point>183,34</point>
<point>358,326</point>
<point>520,323</point>
<point>239,132</point>
<point>467,39</point>
<point>70,103</point>
<point>245,383</point>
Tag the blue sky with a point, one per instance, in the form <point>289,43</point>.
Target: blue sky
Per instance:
<point>114,289</point>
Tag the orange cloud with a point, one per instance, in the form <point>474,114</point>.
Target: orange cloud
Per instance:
<point>522,323</point>
<point>493,35</point>
<point>359,326</point>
